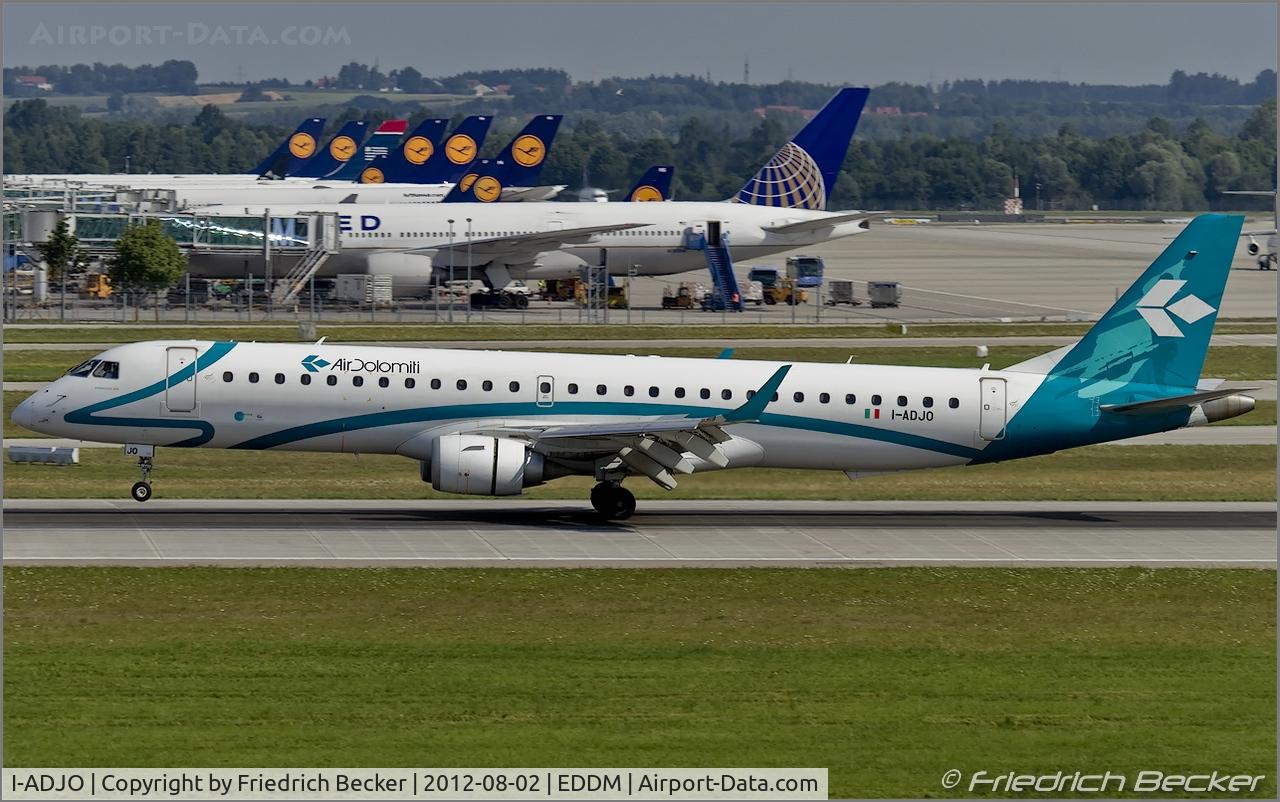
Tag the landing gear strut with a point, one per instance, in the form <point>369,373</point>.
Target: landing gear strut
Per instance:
<point>142,490</point>
<point>613,501</point>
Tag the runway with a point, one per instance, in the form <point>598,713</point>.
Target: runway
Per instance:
<point>566,534</point>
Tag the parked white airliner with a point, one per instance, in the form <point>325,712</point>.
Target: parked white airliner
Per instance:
<point>493,423</point>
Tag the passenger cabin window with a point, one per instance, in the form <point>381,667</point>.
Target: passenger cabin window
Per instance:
<point>409,383</point>
<point>279,378</point>
<point>797,397</point>
<point>902,400</point>
<point>86,367</point>
<point>544,387</point>
<point>927,401</point>
<point>383,381</point>
<point>331,380</point>
<point>573,389</point>
<point>601,389</point>
<point>679,392</point>
<point>850,399</point>
<point>824,398</point>
<point>253,378</point>
<point>486,385</point>
<point>653,392</point>
<point>628,391</point>
<point>107,370</point>
<point>305,378</point>
<point>704,393</point>
<point>227,376</point>
<point>514,387</point>
<point>462,384</point>
<point>357,381</point>
<point>435,384</point>
<point>875,400</point>
<point>726,394</point>
<point>954,403</point>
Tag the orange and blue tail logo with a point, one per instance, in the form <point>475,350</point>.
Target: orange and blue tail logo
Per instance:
<point>802,174</point>
<point>293,151</point>
<point>344,145</point>
<point>654,185</point>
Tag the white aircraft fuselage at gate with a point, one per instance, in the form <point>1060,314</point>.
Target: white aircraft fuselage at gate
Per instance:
<point>545,240</point>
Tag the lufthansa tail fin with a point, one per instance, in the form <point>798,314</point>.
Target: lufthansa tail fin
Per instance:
<point>654,185</point>
<point>295,149</point>
<point>527,152</point>
<point>381,142</point>
<point>802,174</point>
<point>459,150</point>
<point>482,184</point>
<point>1158,332</point>
<point>402,165</point>
<point>337,152</point>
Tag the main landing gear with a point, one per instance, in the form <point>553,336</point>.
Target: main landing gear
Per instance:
<point>613,501</point>
<point>141,491</point>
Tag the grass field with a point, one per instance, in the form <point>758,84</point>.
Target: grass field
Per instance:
<point>528,332</point>
<point>888,677</point>
<point>1138,473</point>
<point>1226,362</point>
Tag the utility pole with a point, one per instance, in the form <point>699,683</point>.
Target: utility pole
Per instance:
<point>468,269</point>
<point>450,269</point>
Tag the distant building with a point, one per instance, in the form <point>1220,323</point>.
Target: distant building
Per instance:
<point>804,113</point>
<point>36,82</point>
<point>896,111</point>
<point>502,89</point>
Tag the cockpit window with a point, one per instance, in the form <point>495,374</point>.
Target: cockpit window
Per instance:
<point>84,368</point>
<point>107,370</point>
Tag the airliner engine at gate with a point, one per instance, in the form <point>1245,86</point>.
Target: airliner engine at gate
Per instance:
<point>493,423</point>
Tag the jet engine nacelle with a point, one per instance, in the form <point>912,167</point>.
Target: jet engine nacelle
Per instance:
<point>410,272</point>
<point>1252,247</point>
<point>480,465</point>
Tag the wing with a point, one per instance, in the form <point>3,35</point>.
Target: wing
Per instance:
<point>654,447</point>
<point>524,247</point>
<point>817,224</point>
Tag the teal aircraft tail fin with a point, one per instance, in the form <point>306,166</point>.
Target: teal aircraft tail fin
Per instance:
<point>1158,332</point>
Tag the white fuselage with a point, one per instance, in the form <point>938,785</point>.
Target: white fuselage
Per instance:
<point>854,418</point>
<point>657,247</point>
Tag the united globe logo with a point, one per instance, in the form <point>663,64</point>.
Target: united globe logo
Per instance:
<point>791,180</point>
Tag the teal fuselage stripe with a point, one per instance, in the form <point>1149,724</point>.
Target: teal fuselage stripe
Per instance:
<point>88,415</point>
<point>585,408</point>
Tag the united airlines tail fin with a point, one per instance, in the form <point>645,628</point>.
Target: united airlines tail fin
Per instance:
<point>802,174</point>
<point>459,150</point>
<point>337,152</point>
<point>297,148</point>
<point>483,183</point>
<point>402,165</point>
<point>527,152</point>
<point>654,185</point>
<point>1158,332</point>
<point>381,142</point>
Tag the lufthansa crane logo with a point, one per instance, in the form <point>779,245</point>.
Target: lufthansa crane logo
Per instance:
<point>528,151</point>
<point>487,189</point>
<point>418,149</point>
<point>1155,307</point>
<point>466,181</point>
<point>461,149</point>
<point>342,148</point>
<point>372,175</point>
<point>646,193</point>
<point>302,145</point>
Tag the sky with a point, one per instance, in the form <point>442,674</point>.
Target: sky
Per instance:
<point>854,43</point>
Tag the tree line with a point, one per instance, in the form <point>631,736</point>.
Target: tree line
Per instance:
<point>1157,167</point>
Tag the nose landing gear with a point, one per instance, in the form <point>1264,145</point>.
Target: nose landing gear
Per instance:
<point>141,491</point>
<point>613,501</point>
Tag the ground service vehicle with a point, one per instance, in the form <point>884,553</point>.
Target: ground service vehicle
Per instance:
<point>884,293</point>
<point>806,271</point>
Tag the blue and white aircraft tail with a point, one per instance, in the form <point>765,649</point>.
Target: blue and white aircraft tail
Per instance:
<point>493,422</point>
<point>654,185</point>
<point>802,174</point>
<point>404,164</point>
<point>459,150</point>
<point>527,152</point>
<point>337,152</point>
<point>381,142</point>
<point>297,148</point>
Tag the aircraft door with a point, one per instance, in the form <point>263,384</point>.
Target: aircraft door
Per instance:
<point>180,396</point>
<point>546,391</point>
<point>713,233</point>
<point>992,413</point>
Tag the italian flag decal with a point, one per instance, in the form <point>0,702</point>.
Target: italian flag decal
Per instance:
<point>871,413</point>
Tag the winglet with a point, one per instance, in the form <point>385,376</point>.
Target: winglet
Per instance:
<point>754,407</point>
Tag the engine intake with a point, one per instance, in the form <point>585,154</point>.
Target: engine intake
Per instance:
<point>480,465</point>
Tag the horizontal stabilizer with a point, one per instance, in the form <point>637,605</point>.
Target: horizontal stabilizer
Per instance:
<point>1172,402</point>
<point>806,226</point>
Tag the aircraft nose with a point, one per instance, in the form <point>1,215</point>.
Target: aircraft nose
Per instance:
<point>24,414</point>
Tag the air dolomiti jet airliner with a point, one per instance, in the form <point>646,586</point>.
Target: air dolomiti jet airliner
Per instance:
<point>492,423</point>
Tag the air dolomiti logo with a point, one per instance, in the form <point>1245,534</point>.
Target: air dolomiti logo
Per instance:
<point>314,363</point>
<point>1155,308</point>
